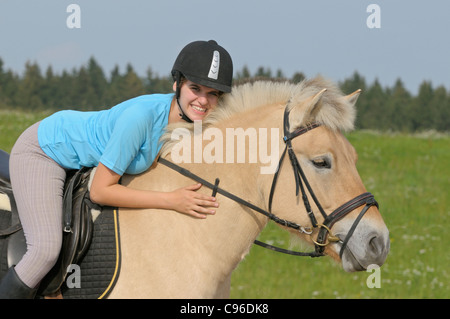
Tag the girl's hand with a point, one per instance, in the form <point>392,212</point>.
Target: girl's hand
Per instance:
<point>187,200</point>
<point>105,190</point>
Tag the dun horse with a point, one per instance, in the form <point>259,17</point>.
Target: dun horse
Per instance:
<point>170,255</point>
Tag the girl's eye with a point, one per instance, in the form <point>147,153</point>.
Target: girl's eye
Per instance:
<point>197,89</point>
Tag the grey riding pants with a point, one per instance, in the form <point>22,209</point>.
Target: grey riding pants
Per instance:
<point>38,183</point>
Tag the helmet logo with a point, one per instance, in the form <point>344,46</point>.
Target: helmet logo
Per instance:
<point>215,63</point>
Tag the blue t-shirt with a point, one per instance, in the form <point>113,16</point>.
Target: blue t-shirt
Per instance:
<point>124,138</point>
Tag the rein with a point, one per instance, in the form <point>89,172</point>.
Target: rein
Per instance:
<point>321,242</point>
<point>239,200</point>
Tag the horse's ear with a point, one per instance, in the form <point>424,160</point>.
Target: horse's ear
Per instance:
<point>312,103</point>
<point>353,97</point>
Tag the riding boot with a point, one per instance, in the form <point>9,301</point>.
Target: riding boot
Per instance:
<point>11,287</point>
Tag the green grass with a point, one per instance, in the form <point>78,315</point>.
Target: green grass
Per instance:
<point>409,176</point>
<point>13,123</point>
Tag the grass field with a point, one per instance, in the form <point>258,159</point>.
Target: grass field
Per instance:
<point>409,176</point>
<point>13,123</point>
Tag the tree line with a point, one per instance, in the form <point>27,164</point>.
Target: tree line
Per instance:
<point>88,88</point>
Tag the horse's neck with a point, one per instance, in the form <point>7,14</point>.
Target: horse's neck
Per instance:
<point>233,229</point>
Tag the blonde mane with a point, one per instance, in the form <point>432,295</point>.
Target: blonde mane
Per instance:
<point>334,111</point>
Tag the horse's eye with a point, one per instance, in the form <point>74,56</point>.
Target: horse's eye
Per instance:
<point>321,163</point>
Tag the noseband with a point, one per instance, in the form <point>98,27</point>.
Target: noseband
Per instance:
<point>324,236</point>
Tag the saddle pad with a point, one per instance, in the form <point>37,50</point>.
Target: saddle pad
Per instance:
<point>99,269</point>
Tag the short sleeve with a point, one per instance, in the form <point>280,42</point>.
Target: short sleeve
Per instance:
<point>129,133</point>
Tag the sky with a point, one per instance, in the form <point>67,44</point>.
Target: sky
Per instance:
<point>406,39</point>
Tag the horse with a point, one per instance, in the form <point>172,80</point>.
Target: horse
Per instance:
<point>314,192</point>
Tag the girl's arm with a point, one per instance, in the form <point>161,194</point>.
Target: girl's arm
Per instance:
<point>106,190</point>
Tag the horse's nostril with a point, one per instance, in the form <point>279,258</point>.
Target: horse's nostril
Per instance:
<point>376,245</point>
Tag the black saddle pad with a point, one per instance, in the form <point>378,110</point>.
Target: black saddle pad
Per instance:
<point>96,274</point>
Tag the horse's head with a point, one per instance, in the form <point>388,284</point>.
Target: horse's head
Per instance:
<point>356,232</point>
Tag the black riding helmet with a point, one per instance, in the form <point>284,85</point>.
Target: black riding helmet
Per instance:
<point>205,63</point>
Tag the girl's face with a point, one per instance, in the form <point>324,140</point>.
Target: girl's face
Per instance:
<point>197,100</point>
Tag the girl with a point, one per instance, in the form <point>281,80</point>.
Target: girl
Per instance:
<point>123,139</point>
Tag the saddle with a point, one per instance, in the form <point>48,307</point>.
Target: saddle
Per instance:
<point>78,231</point>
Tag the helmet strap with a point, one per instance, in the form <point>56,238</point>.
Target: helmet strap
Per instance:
<point>182,115</point>
<point>177,96</point>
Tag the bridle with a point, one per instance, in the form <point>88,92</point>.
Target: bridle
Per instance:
<point>301,182</point>
<point>325,235</point>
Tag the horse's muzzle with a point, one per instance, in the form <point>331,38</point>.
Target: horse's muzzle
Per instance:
<point>364,251</point>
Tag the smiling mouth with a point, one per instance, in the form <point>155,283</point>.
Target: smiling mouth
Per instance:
<point>199,109</point>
